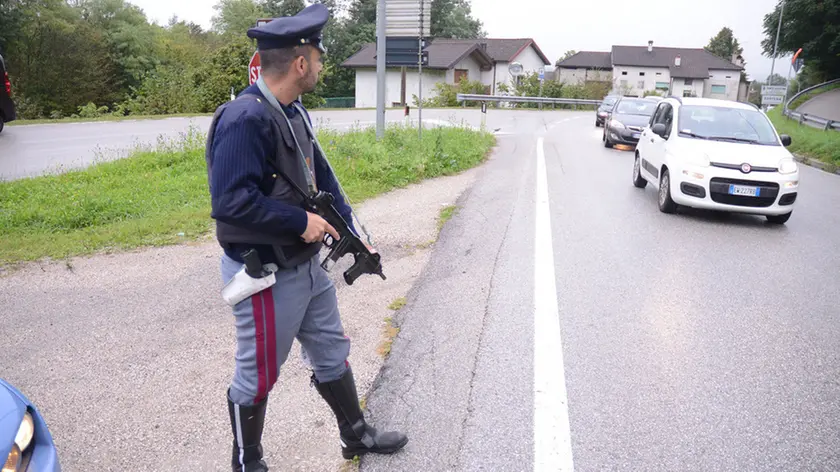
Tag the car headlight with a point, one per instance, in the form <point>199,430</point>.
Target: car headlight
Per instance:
<point>787,166</point>
<point>23,439</point>
<point>616,124</point>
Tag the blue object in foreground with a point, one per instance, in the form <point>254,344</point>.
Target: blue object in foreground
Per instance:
<point>25,442</point>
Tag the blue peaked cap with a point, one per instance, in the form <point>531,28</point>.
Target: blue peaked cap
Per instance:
<point>298,30</point>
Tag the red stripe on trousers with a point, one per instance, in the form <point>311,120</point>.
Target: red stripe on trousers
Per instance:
<point>257,302</point>
<point>270,338</point>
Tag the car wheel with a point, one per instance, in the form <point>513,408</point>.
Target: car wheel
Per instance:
<point>779,219</point>
<point>638,180</point>
<point>607,143</point>
<point>2,124</point>
<point>666,204</point>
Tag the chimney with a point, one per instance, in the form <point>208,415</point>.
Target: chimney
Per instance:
<point>650,46</point>
<point>677,60</point>
<point>484,46</point>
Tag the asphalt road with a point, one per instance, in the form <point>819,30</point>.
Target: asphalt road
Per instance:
<point>694,341</point>
<point>825,105</point>
<point>31,150</point>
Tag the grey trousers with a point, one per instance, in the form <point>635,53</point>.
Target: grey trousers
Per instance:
<point>302,305</point>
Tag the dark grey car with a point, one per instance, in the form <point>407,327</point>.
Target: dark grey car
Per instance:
<point>628,118</point>
<point>604,109</point>
<point>7,106</point>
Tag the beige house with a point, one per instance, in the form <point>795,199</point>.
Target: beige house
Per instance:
<point>634,70</point>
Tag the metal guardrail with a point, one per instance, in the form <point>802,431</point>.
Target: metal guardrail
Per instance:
<point>467,97</point>
<point>825,123</point>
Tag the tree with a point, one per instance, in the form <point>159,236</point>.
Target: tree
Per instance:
<point>453,19</point>
<point>724,45</point>
<point>566,55</point>
<point>235,17</point>
<point>812,26</point>
<point>278,8</point>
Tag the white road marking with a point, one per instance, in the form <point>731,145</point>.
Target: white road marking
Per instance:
<point>552,435</point>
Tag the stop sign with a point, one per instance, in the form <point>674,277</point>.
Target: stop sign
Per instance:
<point>254,68</point>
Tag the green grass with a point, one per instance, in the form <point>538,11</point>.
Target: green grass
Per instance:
<point>804,98</point>
<point>445,215</point>
<point>807,140</point>
<point>161,197</point>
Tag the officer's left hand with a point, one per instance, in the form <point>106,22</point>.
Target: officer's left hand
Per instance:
<point>370,248</point>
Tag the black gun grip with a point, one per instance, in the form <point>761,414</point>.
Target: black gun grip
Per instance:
<point>253,265</point>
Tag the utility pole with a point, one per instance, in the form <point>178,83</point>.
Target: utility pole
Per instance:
<point>380,69</point>
<point>776,47</point>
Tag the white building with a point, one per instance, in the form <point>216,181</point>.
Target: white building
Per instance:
<point>634,70</point>
<point>484,59</point>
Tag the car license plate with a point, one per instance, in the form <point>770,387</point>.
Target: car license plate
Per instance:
<point>742,190</point>
<point>636,135</point>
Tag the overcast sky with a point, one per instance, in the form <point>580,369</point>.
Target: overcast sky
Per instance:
<point>585,25</point>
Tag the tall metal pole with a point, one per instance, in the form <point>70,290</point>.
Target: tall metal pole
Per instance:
<point>380,69</point>
<point>787,84</point>
<point>776,47</point>
<point>420,76</point>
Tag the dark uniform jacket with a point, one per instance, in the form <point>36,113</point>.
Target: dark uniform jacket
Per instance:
<point>252,205</point>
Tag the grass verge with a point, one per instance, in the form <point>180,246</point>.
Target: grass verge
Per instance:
<point>806,140</point>
<point>160,197</point>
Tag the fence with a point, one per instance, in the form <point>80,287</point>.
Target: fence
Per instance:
<point>824,123</point>
<point>339,102</point>
<point>467,97</point>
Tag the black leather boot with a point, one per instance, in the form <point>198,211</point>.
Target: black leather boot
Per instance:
<point>357,437</point>
<point>247,425</point>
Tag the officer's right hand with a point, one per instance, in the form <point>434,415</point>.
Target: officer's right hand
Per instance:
<point>316,227</point>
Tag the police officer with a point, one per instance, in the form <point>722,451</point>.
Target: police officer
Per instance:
<point>257,209</point>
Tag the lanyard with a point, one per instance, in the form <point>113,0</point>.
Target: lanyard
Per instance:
<point>274,103</point>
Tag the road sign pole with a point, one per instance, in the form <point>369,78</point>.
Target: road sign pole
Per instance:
<point>380,69</point>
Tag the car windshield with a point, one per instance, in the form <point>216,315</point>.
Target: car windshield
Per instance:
<point>725,124</point>
<point>636,107</point>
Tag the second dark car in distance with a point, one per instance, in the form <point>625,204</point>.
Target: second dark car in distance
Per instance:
<point>628,118</point>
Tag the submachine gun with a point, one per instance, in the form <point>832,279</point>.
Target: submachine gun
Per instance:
<point>321,203</point>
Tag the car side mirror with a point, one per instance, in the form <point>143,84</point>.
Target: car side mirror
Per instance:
<point>785,140</point>
<point>658,129</point>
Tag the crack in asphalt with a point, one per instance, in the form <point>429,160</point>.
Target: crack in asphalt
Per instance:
<point>481,339</point>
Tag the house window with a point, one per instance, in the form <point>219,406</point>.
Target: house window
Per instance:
<point>640,84</point>
<point>459,74</point>
<point>624,72</point>
<point>687,82</point>
<point>641,74</point>
<point>662,86</point>
<point>659,73</point>
<point>624,83</point>
<point>728,76</point>
<point>719,89</point>
<point>688,93</point>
